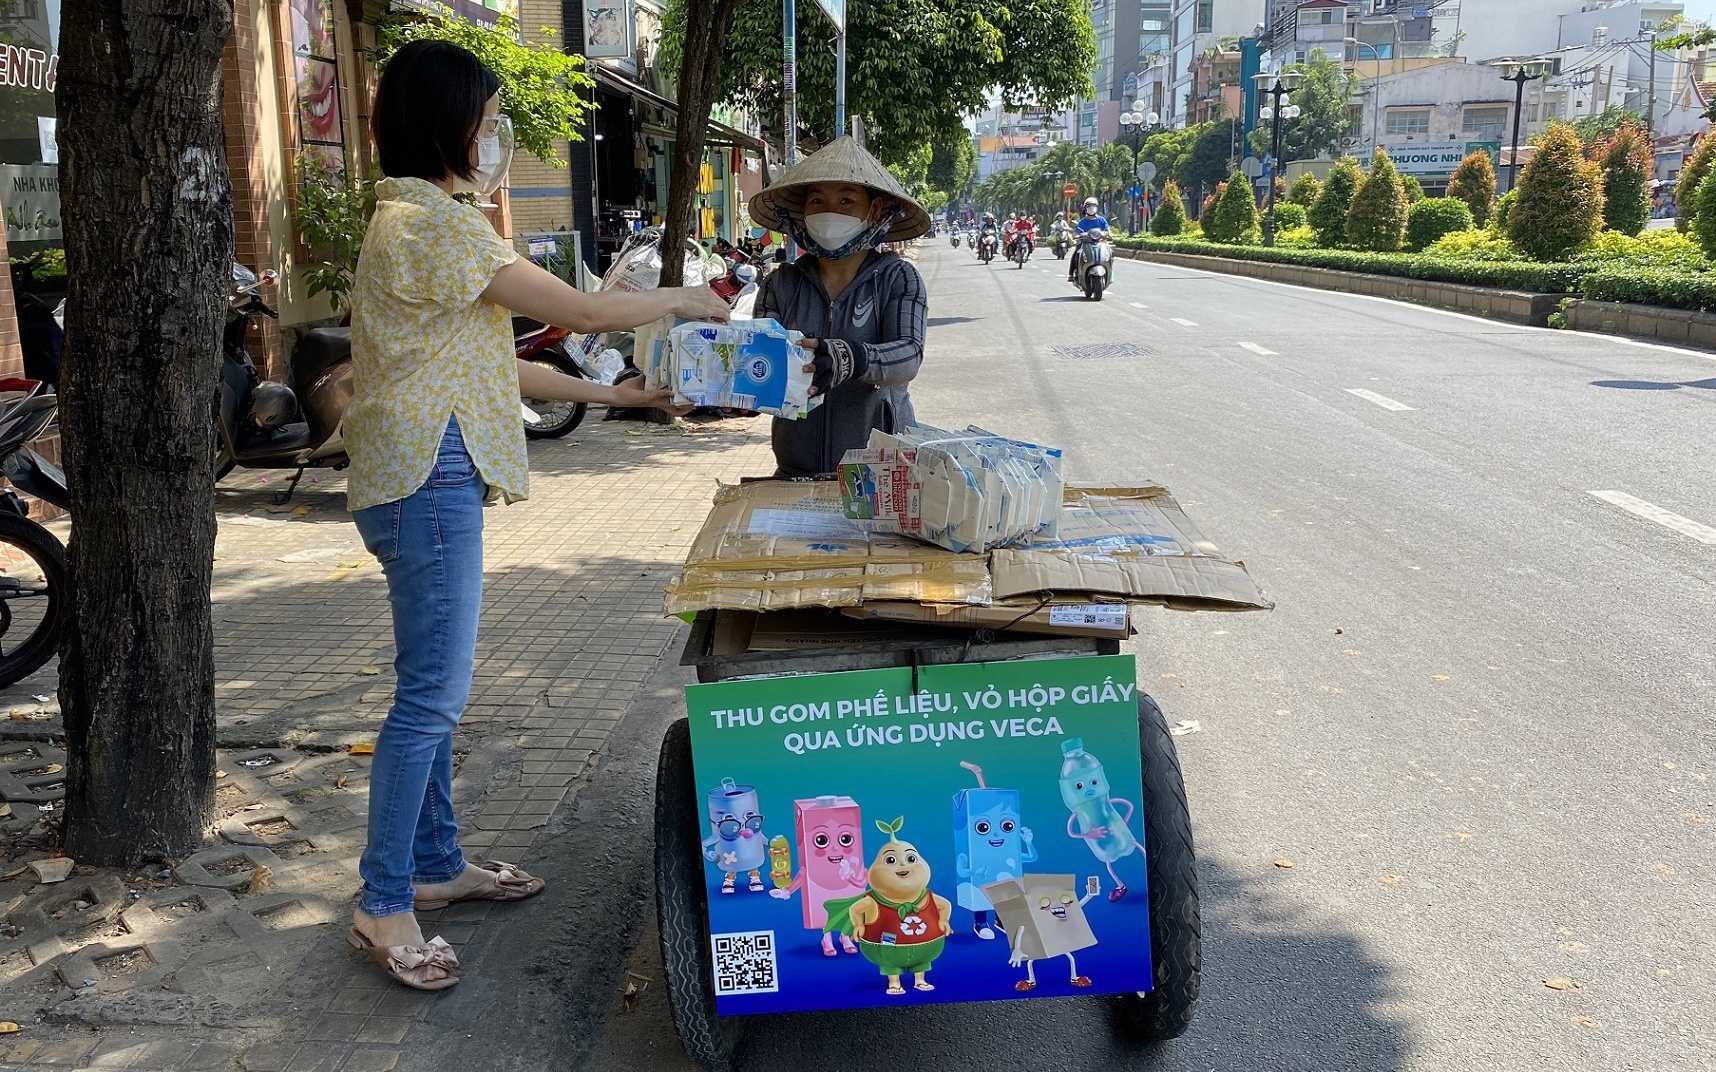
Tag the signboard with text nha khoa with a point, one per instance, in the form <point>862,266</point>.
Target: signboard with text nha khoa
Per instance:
<point>894,837</point>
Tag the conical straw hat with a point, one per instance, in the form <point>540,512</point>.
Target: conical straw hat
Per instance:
<point>843,160</point>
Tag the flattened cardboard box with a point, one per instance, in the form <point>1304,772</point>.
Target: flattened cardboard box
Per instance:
<point>1028,619</point>
<point>774,545</point>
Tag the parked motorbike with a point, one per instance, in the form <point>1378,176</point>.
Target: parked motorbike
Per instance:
<point>1095,263</point>
<point>33,561</point>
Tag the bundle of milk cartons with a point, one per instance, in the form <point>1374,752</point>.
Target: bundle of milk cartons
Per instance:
<point>747,364</point>
<point>965,491</point>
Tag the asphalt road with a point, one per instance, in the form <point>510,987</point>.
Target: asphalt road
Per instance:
<point>1481,723</point>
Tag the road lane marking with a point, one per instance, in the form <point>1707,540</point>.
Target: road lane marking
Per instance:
<point>1138,305</point>
<point>1184,323</point>
<point>1650,512</point>
<point>1382,400</point>
<point>1258,350</point>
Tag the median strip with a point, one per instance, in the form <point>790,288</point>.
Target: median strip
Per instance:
<point>1651,512</point>
<point>1382,400</point>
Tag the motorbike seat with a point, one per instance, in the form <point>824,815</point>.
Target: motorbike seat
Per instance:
<point>319,350</point>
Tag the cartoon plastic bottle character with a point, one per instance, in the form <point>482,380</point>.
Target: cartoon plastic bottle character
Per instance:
<point>901,925</point>
<point>830,862</point>
<point>1095,819</point>
<point>780,862</point>
<point>991,842</point>
<point>735,842</point>
<point>1044,919</point>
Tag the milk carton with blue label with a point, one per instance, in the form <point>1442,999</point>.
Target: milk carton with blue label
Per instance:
<point>750,364</point>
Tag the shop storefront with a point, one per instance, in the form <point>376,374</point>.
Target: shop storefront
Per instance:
<point>29,188</point>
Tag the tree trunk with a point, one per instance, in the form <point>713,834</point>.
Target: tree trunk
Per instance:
<point>148,235</point>
<point>706,23</point>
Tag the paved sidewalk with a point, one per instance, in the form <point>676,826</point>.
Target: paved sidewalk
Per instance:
<point>235,958</point>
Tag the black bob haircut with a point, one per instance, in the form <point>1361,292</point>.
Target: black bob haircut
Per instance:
<point>428,108</point>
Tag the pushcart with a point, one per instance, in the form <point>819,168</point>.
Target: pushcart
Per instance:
<point>1163,1012</point>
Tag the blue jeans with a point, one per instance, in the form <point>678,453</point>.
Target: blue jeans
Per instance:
<point>430,546</point>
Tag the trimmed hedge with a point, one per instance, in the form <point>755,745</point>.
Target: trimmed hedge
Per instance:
<point>1652,286</point>
<point>1428,220</point>
<point>1289,216</point>
<point>1505,275</point>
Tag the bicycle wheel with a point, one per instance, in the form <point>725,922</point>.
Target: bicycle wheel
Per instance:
<point>32,596</point>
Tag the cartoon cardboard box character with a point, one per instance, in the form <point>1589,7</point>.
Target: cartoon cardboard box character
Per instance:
<point>830,859</point>
<point>736,842</point>
<point>991,842</point>
<point>901,926</point>
<point>1043,919</point>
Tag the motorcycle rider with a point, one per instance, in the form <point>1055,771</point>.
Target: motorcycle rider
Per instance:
<point>985,231</point>
<point>1009,235</point>
<point>1027,233</point>
<point>1092,220</point>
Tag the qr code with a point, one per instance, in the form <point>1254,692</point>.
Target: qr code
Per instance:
<point>745,963</point>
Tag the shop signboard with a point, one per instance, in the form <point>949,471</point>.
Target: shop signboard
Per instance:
<point>1491,147</point>
<point>1426,159</point>
<point>31,194</point>
<point>608,29</point>
<point>950,833</point>
<point>836,12</point>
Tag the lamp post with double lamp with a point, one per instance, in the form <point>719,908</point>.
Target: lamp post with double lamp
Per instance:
<point>1133,123</point>
<point>1285,83</point>
<point>1519,73</point>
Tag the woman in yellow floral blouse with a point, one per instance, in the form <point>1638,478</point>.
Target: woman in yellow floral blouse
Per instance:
<point>433,431</point>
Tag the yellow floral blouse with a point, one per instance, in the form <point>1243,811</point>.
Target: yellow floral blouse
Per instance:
<point>426,346</point>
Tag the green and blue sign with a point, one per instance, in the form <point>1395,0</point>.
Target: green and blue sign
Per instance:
<point>953,833</point>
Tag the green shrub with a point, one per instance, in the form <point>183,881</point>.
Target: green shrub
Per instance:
<point>1474,182</point>
<point>1414,189</point>
<point>1560,207</point>
<point>1289,216</point>
<point>1328,215</point>
<point>1474,246</point>
<point>1235,215</point>
<point>1377,219</point>
<point>1704,224</point>
<point>1626,164</point>
<point>1301,237</point>
<point>1666,248</point>
<point>1504,208</point>
<point>1652,286</point>
<point>1170,215</point>
<point>1428,220</point>
<point>1304,190</point>
<point>1691,178</point>
<point>1509,275</point>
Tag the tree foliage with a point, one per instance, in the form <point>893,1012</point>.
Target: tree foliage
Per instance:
<point>1212,156</point>
<point>1325,120</point>
<point>1704,223</point>
<point>1328,216</point>
<point>1474,182</point>
<point>1170,217</point>
<point>1560,207</point>
<point>542,89</point>
<point>952,166</point>
<point>1414,189</point>
<point>1377,219</point>
<point>1691,178</point>
<point>1433,217</point>
<point>1596,130</point>
<point>1304,190</point>
<point>1626,162</point>
<point>331,215</point>
<point>1169,150</point>
<point>915,67</point>
<point>1234,217</point>
<point>1036,187</point>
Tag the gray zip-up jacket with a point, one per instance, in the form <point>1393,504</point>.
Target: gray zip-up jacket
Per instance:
<point>884,312</point>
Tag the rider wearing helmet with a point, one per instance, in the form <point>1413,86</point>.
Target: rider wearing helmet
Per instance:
<point>1092,220</point>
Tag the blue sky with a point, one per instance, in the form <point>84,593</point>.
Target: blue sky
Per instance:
<point>1701,9</point>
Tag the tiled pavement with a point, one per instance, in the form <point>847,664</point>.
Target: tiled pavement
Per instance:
<point>222,965</point>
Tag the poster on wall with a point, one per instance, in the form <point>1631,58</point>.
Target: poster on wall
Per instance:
<point>316,80</point>
<point>31,194</point>
<point>891,837</point>
<point>608,27</point>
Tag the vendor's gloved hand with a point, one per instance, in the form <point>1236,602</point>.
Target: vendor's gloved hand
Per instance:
<point>834,362</point>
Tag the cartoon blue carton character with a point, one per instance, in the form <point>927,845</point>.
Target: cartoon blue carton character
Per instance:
<point>991,844</point>
<point>736,842</point>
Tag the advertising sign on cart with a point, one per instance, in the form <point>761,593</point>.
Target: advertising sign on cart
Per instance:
<point>950,833</point>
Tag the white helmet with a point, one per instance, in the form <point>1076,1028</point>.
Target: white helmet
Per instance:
<point>1090,204</point>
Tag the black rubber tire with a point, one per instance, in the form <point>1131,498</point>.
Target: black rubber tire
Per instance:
<point>18,661</point>
<point>1176,928</point>
<point>1097,286</point>
<point>682,910</point>
<point>559,361</point>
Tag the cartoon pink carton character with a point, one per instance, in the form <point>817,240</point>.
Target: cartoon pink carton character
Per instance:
<point>831,861</point>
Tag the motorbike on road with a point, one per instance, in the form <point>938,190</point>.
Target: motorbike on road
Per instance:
<point>986,248</point>
<point>32,559</point>
<point>1094,263</point>
<point>954,238</point>
<point>1021,251</point>
<point>1062,244</point>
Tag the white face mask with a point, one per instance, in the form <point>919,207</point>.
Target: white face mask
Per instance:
<point>831,230</point>
<point>494,157</point>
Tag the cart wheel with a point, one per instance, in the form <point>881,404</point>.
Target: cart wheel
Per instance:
<point>1176,933</point>
<point>681,903</point>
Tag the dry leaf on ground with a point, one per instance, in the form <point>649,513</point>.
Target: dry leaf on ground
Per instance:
<point>1391,880</point>
<point>340,782</point>
<point>7,1027</point>
<point>370,670</point>
<point>260,879</point>
<point>365,748</point>
<point>1563,984</point>
<point>1695,817</point>
<point>1586,1021</point>
<point>1438,677</point>
<point>1284,864</point>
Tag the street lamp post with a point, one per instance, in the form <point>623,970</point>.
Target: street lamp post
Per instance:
<point>1523,72</point>
<point>1285,83</point>
<point>1133,122</point>
<point>1375,94</point>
